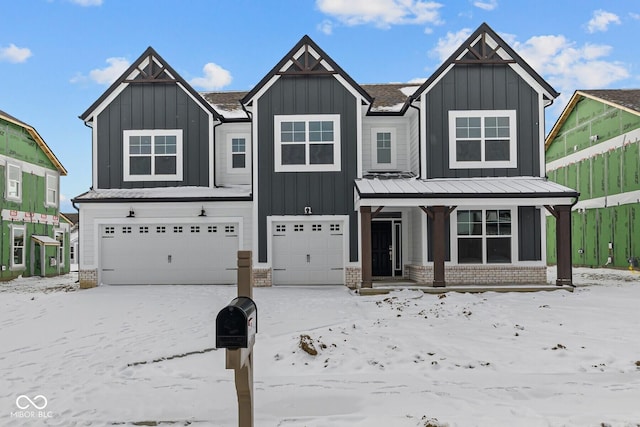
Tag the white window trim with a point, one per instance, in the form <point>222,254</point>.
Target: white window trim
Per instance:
<point>61,248</point>
<point>484,209</point>
<point>277,143</point>
<point>247,152</point>
<point>12,265</point>
<point>128,177</point>
<point>54,179</point>
<point>483,164</point>
<point>8,168</point>
<point>374,149</point>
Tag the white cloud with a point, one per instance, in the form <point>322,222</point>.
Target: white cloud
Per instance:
<point>215,77</point>
<point>326,27</point>
<point>447,45</point>
<point>568,66</point>
<point>486,5</point>
<point>601,20</point>
<point>86,3</point>
<point>634,15</point>
<point>15,54</point>
<point>382,13</point>
<point>104,76</point>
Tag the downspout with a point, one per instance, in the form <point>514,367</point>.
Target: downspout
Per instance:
<point>250,115</point>
<point>215,169</point>
<point>78,251</point>
<point>419,136</point>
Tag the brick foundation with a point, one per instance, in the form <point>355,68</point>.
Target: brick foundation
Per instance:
<point>353,277</point>
<point>481,274</point>
<point>262,277</point>
<point>88,278</point>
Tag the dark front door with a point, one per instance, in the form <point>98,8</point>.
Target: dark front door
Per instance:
<point>381,242</point>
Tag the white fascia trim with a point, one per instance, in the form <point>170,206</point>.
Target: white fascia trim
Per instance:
<point>343,219</point>
<point>259,94</point>
<point>594,150</point>
<point>627,198</point>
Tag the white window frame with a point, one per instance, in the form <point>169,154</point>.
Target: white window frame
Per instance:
<point>18,182</point>
<point>12,264</point>
<point>128,177</point>
<point>230,153</point>
<point>482,164</point>
<point>307,167</point>
<point>51,195</point>
<point>374,149</point>
<point>59,235</point>
<point>484,236</point>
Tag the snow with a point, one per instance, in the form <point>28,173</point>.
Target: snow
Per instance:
<point>119,355</point>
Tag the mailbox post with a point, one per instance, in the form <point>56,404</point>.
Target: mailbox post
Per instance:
<point>236,328</point>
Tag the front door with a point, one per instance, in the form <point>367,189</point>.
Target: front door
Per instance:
<point>381,248</point>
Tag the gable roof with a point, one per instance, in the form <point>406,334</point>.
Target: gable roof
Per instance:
<point>314,62</point>
<point>149,68</point>
<point>624,99</point>
<point>38,139</point>
<point>485,46</point>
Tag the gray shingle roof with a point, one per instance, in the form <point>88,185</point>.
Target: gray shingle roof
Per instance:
<point>629,98</point>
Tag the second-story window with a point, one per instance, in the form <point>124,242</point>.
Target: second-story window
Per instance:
<point>383,148</point>
<point>482,139</point>
<point>238,158</point>
<point>153,155</point>
<point>307,143</point>
<point>52,190</point>
<point>14,182</point>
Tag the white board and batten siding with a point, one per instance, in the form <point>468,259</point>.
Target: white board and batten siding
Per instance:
<point>308,250</point>
<point>165,243</point>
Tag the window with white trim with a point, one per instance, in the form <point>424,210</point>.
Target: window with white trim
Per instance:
<point>14,182</point>
<point>484,236</point>
<point>59,236</point>
<point>383,147</point>
<point>307,143</point>
<point>18,234</point>
<point>51,190</point>
<point>238,158</point>
<point>482,139</point>
<point>152,155</point>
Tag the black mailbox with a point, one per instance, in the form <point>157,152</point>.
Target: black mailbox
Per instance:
<point>237,324</point>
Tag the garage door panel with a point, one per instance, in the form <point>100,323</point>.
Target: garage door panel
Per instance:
<point>307,252</point>
<point>169,254</point>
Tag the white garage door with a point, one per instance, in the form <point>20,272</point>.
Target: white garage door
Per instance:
<point>307,253</point>
<point>169,254</point>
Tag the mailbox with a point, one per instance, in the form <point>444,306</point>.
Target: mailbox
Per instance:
<point>237,324</point>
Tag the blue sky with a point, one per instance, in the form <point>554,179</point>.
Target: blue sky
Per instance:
<point>58,56</point>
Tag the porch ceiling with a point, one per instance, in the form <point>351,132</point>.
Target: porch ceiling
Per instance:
<point>521,191</point>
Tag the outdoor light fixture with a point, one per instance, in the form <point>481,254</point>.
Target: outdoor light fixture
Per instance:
<point>132,214</point>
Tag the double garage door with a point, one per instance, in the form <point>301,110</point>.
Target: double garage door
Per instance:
<point>169,253</point>
<point>307,252</point>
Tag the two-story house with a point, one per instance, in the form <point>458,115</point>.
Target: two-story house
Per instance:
<point>33,240</point>
<point>327,181</point>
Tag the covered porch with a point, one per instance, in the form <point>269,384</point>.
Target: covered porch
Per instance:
<point>480,204</point>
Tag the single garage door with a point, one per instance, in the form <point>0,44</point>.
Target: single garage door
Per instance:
<point>307,253</point>
<point>169,254</point>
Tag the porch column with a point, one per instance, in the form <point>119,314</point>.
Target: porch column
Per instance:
<point>563,245</point>
<point>439,216</point>
<point>365,229</point>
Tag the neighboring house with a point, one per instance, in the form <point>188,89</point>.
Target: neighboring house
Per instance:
<point>326,180</point>
<point>595,147</point>
<point>33,240</point>
<point>72,219</point>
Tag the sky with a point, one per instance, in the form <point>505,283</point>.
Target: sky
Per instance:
<point>58,56</point>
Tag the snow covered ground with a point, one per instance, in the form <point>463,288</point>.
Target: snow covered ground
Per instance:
<point>123,355</point>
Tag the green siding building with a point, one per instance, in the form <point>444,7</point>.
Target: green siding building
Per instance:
<point>594,147</point>
<point>33,239</point>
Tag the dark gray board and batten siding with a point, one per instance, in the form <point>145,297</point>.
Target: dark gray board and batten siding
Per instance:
<point>485,87</point>
<point>287,193</point>
<point>153,106</point>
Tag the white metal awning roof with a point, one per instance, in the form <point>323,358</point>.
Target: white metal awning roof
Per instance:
<point>521,191</point>
<point>231,192</point>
